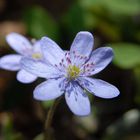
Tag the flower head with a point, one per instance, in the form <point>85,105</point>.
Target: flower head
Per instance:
<point>24,48</point>
<point>69,72</point>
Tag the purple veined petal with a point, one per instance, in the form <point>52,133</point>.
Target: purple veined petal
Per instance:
<point>100,58</point>
<point>39,68</point>
<point>49,89</point>
<point>19,43</point>
<point>81,47</point>
<point>52,52</point>
<point>25,77</point>
<point>99,87</point>
<point>77,100</point>
<point>10,62</point>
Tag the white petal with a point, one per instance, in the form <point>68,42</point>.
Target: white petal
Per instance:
<point>77,100</point>
<point>99,87</point>
<point>49,89</point>
<point>10,62</point>
<point>52,52</point>
<point>39,68</point>
<point>19,43</point>
<point>25,77</point>
<point>82,46</point>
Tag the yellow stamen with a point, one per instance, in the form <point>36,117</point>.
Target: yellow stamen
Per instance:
<point>73,71</point>
<point>36,55</point>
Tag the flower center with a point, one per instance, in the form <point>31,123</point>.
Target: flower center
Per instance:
<point>73,72</point>
<point>36,55</point>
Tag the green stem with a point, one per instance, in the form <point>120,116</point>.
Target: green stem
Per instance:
<point>48,121</point>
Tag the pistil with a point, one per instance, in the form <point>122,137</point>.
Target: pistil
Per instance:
<point>73,72</point>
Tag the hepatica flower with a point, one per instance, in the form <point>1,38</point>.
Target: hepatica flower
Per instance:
<point>69,72</point>
<point>23,48</point>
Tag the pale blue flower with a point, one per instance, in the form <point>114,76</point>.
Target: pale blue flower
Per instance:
<point>23,48</point>
<point>69,72</point>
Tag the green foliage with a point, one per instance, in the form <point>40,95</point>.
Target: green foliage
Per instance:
<point>126,55</point>
<point>121,7</point>
<point>73,20</point>
<point>7,129</point>
<point>114,19</point>
<point>40,23</point>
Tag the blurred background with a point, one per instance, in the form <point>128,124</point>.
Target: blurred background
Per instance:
<point>114,23</point>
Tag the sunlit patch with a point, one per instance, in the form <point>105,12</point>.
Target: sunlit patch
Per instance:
<point>73,72</point>
<point>37,55</point>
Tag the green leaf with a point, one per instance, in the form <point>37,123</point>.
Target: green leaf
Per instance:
<point>120,7</point>
<point>90,20</point>
<point>127,55</point>
<point>40,23</point>
<point>74,19</point>
<point>90,3</point>
<point>124,7</point>
<point>110,31</point>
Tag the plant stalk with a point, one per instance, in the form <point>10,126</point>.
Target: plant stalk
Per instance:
<point>47,129</point>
